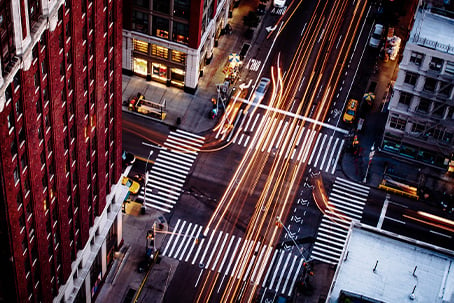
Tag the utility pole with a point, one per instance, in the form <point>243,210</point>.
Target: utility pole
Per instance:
<point>146,182</point>
<point>371,156</point>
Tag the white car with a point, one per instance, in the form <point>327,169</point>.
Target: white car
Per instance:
<point>262,87</point>
<point>278,3</point>
<point>375,39</point>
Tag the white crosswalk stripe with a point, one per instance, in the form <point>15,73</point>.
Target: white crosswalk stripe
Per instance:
<point>223,253</point>
<point>346,202</point>
<point>324,154</point>
<point>165,180</point>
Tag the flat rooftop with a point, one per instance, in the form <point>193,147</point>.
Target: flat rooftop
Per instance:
<point>393,279</point>
<point>433,31</point>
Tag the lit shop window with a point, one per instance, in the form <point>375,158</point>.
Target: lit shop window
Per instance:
<point>140,46</point>
<point>159,51</point>
<point>140,66</point>
<point>177,76</point>
<point>159,71</point>
<point>179,57</point>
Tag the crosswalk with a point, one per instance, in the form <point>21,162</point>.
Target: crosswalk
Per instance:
<point>221,252</point>
<point>346,202</point>
<point>164,182</point>
<point>324,155</point>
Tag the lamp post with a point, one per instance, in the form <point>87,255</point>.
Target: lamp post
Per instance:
<point>146,181</point>
<point>291,237</point>
<point>371,156</point>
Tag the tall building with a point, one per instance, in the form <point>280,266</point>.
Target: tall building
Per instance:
<point>420,124</point>
<point>170,41</point>
<point>60,147</point>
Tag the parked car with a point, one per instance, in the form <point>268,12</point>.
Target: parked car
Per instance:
<point>133,185</point>
<point>278,3</point>
<point>350,111</point>
<point>375,39</point>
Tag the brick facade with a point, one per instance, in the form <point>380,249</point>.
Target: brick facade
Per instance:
<point>60,124</point>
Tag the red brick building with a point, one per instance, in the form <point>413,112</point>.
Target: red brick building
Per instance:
<point>170,41</point>
<point>60,147</point>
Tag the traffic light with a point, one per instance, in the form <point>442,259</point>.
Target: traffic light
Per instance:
<point>355,140</point>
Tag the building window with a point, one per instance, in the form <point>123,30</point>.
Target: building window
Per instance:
<point>34,10</point>
<point>39,107</point>
<point>68,30</point>
<point>21,136</point>
<point>411,78</point>
<point>416,58</point>
<point>449,69</point>
<point>140,66</point>
<point>161,27</point>
<point>405,98</point>
<point>36,79</point>
<point>430,84</point>
<point>16,175</point>
<point>439,109</point>
<point>69,59</point>
<point>18,106</point>
<point>67,4</point>
<point>162,6</point>
<point>436,64</point>
<point>23,161</point>
<point>397,123</point>
<point>177,76</point>
<point>159,51</point>
<point>11,121</point>
<point>180,33</point>
<point>13,148</point>
<point>140,46</point>
<point>417,128</point>
<point>423,106</point>
<point>445,89</point>
<point>159,71</point>
<point>140,21</point>
<point>178,56</point>
<point>17,80</point>
<point>181,8</point>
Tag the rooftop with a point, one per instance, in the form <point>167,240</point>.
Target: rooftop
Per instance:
<point>433,31</point>
<point>401,267</point>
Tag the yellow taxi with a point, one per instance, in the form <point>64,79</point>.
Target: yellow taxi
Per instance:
<point>133,185</point>
<point>350,111</point>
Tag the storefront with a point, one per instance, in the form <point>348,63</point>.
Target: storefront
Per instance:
<point>158,63</point>
<point>140,67</point>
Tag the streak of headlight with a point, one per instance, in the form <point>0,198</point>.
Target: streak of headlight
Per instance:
<point>429,223</point>
<point>224,202</point>
<point>436,218</point>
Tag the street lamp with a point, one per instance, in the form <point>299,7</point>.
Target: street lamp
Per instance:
<point>291,237</point>
<point>371,156</point>
<point>146,181</point>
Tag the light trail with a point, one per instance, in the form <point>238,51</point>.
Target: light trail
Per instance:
<point>274,176</point>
